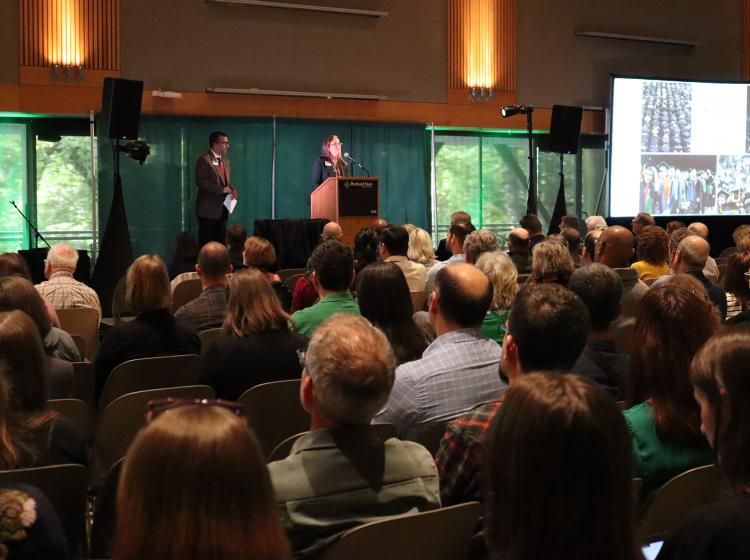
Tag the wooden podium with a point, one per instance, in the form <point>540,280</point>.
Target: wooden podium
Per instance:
<point>352,202</point>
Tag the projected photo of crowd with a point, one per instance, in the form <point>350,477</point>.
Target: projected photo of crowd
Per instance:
<point>678,184</point>
<point>666,121</point>
<point>733,192</point>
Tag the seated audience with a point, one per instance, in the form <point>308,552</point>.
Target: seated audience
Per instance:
<point>653,254</point>
<point>741,237</point>
<point>641,221</point>
<point>60,288</point>
<point>420,248</point>
<point>533,226</point>
<point>504,278</point>
<point>551,263</point>
<point>720,384</point>
<point>185,254</point>
<point>588,249</point>
<point>236,237</point>
<point>30,527</point>
<point>595,222</point>
<point>518,250</point>
<point>547,315</point>
<point>573,239</point>
<point>674,225</point>
<point>304,294</point>
<point>332,230</point>
<point>154,332</point>
<point>458,370</point>
<point>394,244</point>
<point>18,293</point>
<point>260,254</point>
<point>208,309</point>
<point>13,264</point>
<point>33,435</point>
<point>711,270</point>
<point>194,485</point>
<point>674,321</point>
<point>443,252</point>
<point>257,345</point>
<point>379,225</point>
<point>366,251</point>
<point>736,283</point>
<point>457,235</point>
<point>600,288</point>
<point>384,300</point>
<point>332,265</point>
<point>479,242</point>
<point>537,496</point>
<point>340,475</point>
<point>569,222</point>
<point>690,259</point>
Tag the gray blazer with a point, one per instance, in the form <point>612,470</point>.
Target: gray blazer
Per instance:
<point>210,186</point>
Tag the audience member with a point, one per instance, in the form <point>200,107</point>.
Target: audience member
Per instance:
<point>588,252</point>
<point>420,248</point>
<point>304,294</point>
<point>518,250</point>
<point>675,319</point>
<point>504,279</point>
<point>479,242</point>
<point>443,251</point>
<point>366,250</point>
<point>236,237</point>
<point>60,288</point>
<point>533,226</point>
<point>690,259</point>
<point>154,332</point>
<point>573,239</point>
<point>256,346</point>
<point>332,265</point>
<point>32,434</point>
<point>384,300</point>
<point>13,264</point>
<point>551,263</point>
<point>379,225</point>
<point>185,254</point>
<point>18,293</point>
<point>194,485</point>
<point>394,244</point>
<point>720,384</point>
<point>569,222</point>
<point>459,368</point>
<point>711,270</point>
<point>260,254</point>
<point>457,235</point>
<point>547,315</point>
<point>558,459</point>
<point>641,221</point>
<point>208,309</point>
<point>30,526</point>
<point>340,475</point>
<point>673,225</point>
<point>741,237</point>
<point>653,254</point>
<point>600,288</point>
<point>332,230</point>
<point>595,222</point>
<point>736,283</point>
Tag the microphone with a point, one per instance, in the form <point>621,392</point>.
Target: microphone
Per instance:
<point>348,157</point>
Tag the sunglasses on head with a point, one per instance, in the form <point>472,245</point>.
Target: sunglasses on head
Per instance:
<point>158,407</point>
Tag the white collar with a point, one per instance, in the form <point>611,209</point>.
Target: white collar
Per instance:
<point>216,156</point>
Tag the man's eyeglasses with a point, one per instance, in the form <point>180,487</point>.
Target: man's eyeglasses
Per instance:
<point>158,407</point>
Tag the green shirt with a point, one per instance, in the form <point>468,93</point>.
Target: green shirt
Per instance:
<point>307,320</point>
<point>657,461</point>
<point>493,326</point>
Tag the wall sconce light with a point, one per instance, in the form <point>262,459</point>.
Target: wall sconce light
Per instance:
<point>68,73</point>
<point>479,93</point>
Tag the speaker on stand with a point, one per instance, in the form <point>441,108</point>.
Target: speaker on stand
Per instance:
<point>565,137</point>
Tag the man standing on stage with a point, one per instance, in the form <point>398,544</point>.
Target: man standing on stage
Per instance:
<point>214,183</point>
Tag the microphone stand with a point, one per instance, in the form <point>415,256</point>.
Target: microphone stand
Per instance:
<point>355,162</point>
<point>37,235</point>
<point>531,201</point>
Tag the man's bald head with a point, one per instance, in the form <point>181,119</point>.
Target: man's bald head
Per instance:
<point>692,253</point>
<point>62,256</point>
<point>699,228</point>
<point>332,231</point>
<point>379,225</point>
<point>518,239</point>
<point>213,261</point>
<point>615,247</point>
<point>463,294</point>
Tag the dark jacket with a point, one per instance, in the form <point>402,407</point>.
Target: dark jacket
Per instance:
<point>322,169</point>
<point>210,200</point>
<point>715,292</point>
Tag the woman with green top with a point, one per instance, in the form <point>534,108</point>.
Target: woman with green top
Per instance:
<point>675,319</point>
<point>504,278</point>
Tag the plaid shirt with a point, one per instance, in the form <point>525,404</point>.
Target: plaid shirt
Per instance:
<point>459,457</point>
<point>65,292</point>
<point>207,311</point>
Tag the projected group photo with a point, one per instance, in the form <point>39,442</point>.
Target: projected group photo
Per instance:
<point>678,184</point>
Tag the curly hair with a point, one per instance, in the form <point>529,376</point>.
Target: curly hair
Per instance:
<point>550,258</point>
<point>734,278</point>
<point>653,245</point>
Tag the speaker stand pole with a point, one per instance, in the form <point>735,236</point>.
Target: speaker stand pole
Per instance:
<point>531,201</point>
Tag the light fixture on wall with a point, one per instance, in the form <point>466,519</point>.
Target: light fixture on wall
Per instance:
<point>481,93</point>
<point>68,73</point>
<point>479,21</point>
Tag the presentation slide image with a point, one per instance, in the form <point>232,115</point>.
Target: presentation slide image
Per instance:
<point>667,116</point>
<point>747,122</point>
<point>677,184</point>
<point>733,185</point>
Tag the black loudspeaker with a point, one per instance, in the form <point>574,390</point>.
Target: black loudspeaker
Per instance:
<point>121,108</point>
<point>565,131</point>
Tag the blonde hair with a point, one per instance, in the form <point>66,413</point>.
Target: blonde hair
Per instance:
<point>259,253</point>
<point>550,257</point>
<point>503,276</point>
<point>420,247</point>
<point>352,367</point>
<point>147,285</point>
<point>253,307</point>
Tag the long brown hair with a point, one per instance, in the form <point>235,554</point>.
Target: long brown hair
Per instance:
<point>194,485</point>
<point>719,371</point>
<point>253,308</point>
<point>342,169</point>
<point>558,458</point>
<point>18,293</point>
<point>673,322</point>
<point>147,284</point>
<point>734,278</point>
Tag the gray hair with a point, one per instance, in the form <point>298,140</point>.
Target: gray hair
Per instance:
<point>503,276</point>
<point>478,242</point>
<point>62,256</point>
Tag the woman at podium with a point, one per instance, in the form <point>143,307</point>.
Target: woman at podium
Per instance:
<point>330,163</point>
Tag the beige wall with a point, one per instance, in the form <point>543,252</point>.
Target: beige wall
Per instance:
<point>190,45</point>
<point>554,66</point>
<point>9,42</point>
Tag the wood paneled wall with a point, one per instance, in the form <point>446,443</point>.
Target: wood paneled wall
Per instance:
<point>70,33</point>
